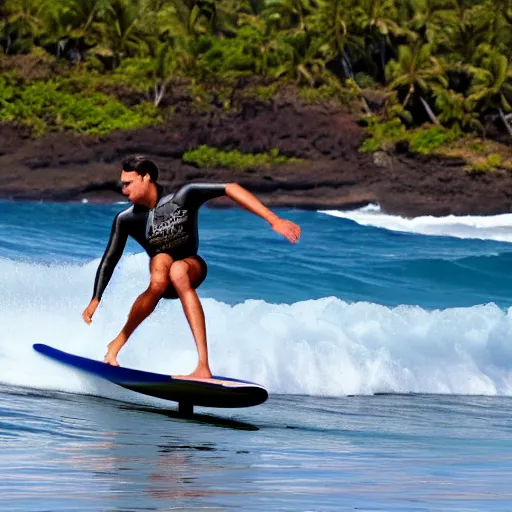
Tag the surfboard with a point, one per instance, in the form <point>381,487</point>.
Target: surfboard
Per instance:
<point>215,392</point>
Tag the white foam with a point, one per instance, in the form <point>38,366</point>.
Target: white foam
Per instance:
<point>316,347</point>
<point>496,227</point>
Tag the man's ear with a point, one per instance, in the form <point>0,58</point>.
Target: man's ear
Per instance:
<point>147,177</point>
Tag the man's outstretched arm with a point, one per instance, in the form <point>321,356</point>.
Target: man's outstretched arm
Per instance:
<point>111,256</point>
<point>244,198</point>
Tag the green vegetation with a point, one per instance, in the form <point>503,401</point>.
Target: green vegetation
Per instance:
<point>383,135</point>
<point>480,155</point>
<point>51,105</point>
<point>423,140</point>
<point>206,156</point>
<point>490,163</point>
<point>446,64</point>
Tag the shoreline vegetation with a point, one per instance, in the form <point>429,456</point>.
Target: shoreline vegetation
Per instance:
<point>419,78</point>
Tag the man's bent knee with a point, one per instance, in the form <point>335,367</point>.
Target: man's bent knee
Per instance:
<point>178,274</point>
<point>158,286</point>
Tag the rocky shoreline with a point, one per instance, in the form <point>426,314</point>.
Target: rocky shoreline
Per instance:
<point>332,173</point>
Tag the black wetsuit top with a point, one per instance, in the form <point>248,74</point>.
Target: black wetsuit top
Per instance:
<point>170,227</point>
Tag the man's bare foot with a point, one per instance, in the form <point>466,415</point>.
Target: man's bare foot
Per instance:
<point>111,355</point>
<point>201,372</point>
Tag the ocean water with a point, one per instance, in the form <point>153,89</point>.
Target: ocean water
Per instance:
<point>385,344</point>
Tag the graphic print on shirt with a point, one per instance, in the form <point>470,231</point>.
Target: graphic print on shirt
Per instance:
<point>167,227</point>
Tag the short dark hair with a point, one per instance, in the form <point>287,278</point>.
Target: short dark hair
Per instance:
<point>141,165</point>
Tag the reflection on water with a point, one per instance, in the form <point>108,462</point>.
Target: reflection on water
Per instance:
<point>63,452</point>
<point>209,419</point>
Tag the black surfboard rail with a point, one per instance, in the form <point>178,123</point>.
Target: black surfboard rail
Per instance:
<point>225,393</point>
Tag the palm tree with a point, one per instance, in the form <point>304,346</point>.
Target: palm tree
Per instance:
<point>417,71</point>
<point>377,19</point>
<point>304,60</point>
<point>455,109</point>
<point>23,23</point>
<point>74,25</point>
<point>123,33</point>
<point>464,31</point>
<point>493,14</point>
<point>291,13</point>
<point>183,27</point>
<point>427,18</point>
<point>492,84</point>
<point>164,67</point>
<point>332,24</point>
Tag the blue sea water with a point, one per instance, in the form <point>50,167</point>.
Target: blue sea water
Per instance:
<point>385,344</point>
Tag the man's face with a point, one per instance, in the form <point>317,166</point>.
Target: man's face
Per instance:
<point>134,186</point>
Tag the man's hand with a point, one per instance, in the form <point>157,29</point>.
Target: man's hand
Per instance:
<point>288,229</point>
<point>89,310</point>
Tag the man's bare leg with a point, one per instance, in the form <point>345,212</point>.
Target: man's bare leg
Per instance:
<point>183,274</point>
<point>143,306</point>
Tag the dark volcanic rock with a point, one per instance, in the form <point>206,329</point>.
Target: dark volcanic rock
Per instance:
<point>333,174</point>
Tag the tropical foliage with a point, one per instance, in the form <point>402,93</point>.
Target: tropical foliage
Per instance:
<point>447,63</point>
<point>205,156</point>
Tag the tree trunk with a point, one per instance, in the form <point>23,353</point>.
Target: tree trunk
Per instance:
<point>159,93</point>
<point>383,57</point>
<point>408,97</point>
<point>429,111</point>
<point>347,65</point>
<point>505,122</point>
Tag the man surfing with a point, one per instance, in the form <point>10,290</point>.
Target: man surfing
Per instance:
<point>166,228</point>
